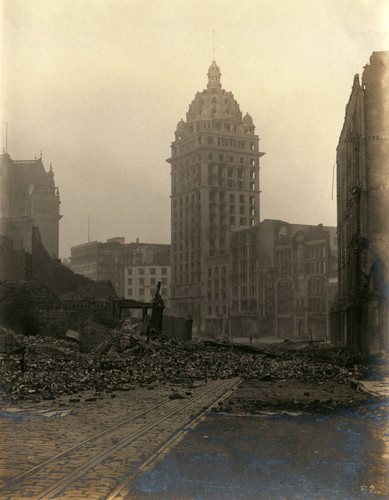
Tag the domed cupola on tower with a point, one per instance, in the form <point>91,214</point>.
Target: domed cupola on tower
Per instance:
<point>181,126</point>
<point>247,120</point>
<point>248,124</point>
<point>214,102</point>
<point>214,75</point>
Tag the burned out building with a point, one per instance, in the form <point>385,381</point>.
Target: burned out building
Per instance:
<point>214,188</point>
<point>283,280</point>
<point>360,318</point>
<point>14,262</point>
<point>28,193</point>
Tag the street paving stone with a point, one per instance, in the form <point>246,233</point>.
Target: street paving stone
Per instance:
<point>30,439</point>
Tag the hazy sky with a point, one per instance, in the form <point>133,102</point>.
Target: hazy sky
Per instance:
<point>99,86</point>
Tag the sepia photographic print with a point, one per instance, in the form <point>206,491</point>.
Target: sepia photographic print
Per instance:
<point>194,249</point>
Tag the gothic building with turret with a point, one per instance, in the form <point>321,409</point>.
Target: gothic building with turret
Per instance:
<point>214,190</point>
<point>360,318</point>
<point>29,198</point>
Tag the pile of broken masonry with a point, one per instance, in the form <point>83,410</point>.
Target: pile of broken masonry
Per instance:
<point>45,367</point>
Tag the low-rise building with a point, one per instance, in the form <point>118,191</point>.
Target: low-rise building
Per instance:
<point>145,265</point>
<point>100,261</point>
<point>134,269</point>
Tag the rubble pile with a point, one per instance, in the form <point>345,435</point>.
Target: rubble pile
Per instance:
<point>49,366</point>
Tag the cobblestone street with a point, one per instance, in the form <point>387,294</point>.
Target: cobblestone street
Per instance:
<point>42,457</point>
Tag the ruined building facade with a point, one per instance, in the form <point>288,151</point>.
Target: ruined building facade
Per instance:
<point>283,280</point>
<point>214,189</point>
<point>29,197</point>
<point>360,318</point>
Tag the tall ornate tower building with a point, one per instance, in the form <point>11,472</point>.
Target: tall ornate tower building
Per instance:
<point>214,189</point>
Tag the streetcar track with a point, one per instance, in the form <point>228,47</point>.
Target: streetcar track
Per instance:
<point>79,445</point>
<point>65,481</point>
<point>98,457</point>
<point>125,485</point>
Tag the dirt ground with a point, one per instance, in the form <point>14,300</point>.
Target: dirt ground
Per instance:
<point>256,395</point>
